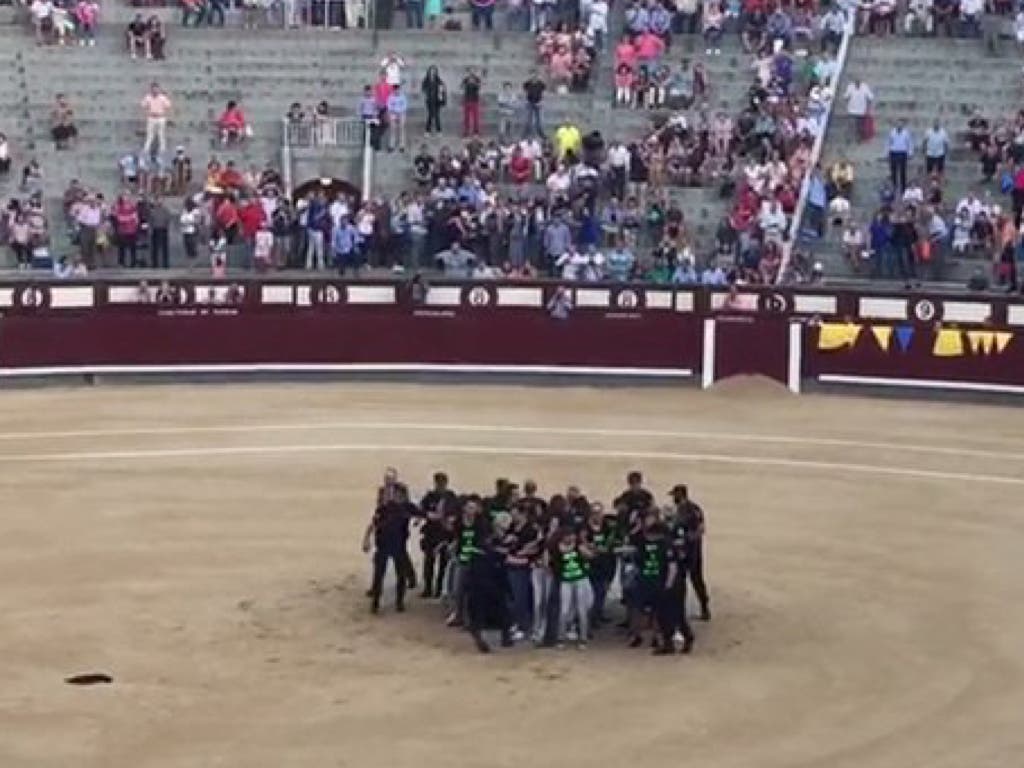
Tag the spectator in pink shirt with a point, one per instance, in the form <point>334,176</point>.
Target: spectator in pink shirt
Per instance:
<point>625,53</point>
<point>561,67</point>
<point>87,14</point>
<point>649,48</point>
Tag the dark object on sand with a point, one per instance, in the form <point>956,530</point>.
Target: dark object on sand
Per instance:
<point>89,678</point>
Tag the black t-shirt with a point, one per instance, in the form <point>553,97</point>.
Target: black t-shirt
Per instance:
<point>535,508</point>
<point>630,501</point>
<point>138,28</point>
<point>603,540</point>
<point>391,524</point>
<point>434,530</point>
<point>424,166</point>
<point>690,521</point>
<point>523,543</point>
<point>534,90</point>
<point>471,88</point>
<point>469,539</point>
<point>653,555</point>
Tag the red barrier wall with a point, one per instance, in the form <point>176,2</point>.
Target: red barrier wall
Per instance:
<point>634,330</point>
<point>918,361</point>
<point>346,334</point>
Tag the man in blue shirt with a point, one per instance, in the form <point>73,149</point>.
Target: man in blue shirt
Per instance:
<point>345,245</point>
<point>901,146</point>
<point>817,202</point>
<point>620,262</point>
<point>936,145</point>
<point>398,107</point>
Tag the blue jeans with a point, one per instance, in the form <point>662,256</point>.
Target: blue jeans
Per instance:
<point>414,14</point>
<point>521,608</point>
<point>533,123</point>
<point>599,586</point>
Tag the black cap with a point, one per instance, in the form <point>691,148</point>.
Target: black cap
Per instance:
<point>679,489</point>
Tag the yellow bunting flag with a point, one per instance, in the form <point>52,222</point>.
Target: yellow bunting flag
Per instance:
<point>948,343</point>
<point>982,342</point>
<point>838,335</point>
<point>882,334</point>
<point>1002,339</point>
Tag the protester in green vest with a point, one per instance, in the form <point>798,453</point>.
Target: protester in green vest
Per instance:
<point>576,598</point>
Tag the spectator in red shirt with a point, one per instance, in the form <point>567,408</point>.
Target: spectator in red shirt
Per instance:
<point>126,228</point>
<point>229,178</point>
<point>232,123</point>
<point>251,218</point>
<point>519,167</point>
<point>226,218</point>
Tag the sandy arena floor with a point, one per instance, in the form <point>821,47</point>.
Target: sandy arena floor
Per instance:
<point>201,544</point>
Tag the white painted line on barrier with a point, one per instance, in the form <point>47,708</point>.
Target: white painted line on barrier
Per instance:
<point>379,426</point>
<point>558,370</point>
<point>943,384</point>
<point>796,350</point>
<point>488,450</point>
<point>708,363</point>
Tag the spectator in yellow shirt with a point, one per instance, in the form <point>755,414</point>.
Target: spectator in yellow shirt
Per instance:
<point>568,139</point>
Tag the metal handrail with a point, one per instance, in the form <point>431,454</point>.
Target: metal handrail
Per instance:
<point>816,150</point>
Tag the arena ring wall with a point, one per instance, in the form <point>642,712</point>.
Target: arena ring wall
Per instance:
<point>822,337</point>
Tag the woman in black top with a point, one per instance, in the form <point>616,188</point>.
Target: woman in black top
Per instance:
<point>436,96</point>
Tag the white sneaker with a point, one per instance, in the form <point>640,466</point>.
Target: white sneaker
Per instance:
<point>707,52</point>
<point>518,636</point>
<point>397,269</point>
<point>92,43</point>
<point>718,51</point>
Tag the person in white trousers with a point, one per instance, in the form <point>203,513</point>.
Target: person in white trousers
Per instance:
<point>576,596</point>
<point>156,105</point>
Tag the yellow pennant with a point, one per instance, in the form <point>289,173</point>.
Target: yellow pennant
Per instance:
<point>982,342</point>
<point>838,335</point>
<point>882,334</point>
<point>1002,339</point>
<point>948,343</point>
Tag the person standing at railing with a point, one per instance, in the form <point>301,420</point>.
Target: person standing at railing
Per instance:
<point>316,223</point>
<point>397,109</point>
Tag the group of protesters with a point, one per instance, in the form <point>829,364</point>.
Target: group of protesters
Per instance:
<point>542,570</point>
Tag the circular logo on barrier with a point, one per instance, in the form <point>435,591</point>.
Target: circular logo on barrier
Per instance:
<point>479,296</point>
<point>627,299</point>
<point>774,302</point>
<point>328,294</point>
<point>925,310</point>
<point>32,296</point>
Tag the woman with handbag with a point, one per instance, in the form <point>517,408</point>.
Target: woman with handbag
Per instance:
<point>436,96</point>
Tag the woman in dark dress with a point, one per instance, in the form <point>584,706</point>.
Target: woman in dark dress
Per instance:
<point>436,96</point>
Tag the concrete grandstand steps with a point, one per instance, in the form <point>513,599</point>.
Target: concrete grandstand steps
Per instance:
<point>920,80</point>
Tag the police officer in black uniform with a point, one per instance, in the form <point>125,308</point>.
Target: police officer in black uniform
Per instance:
<point>672,610</point>
<point>386,493</point>
<point>389,531</point>
<point>436,503</point>
<point>690,528</point>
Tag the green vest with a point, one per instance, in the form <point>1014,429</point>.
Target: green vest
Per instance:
<point>650,562</point>
<point>572,566</point>
<point>467,545</point>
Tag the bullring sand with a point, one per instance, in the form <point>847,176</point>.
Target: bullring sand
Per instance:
<point>200,544</point>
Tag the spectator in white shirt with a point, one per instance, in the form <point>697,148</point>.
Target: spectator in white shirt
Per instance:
<point>157,107</point>
<point>597,25</point>
<point>859,99</point>
<point>394,69</point>
<point>772,222</point>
